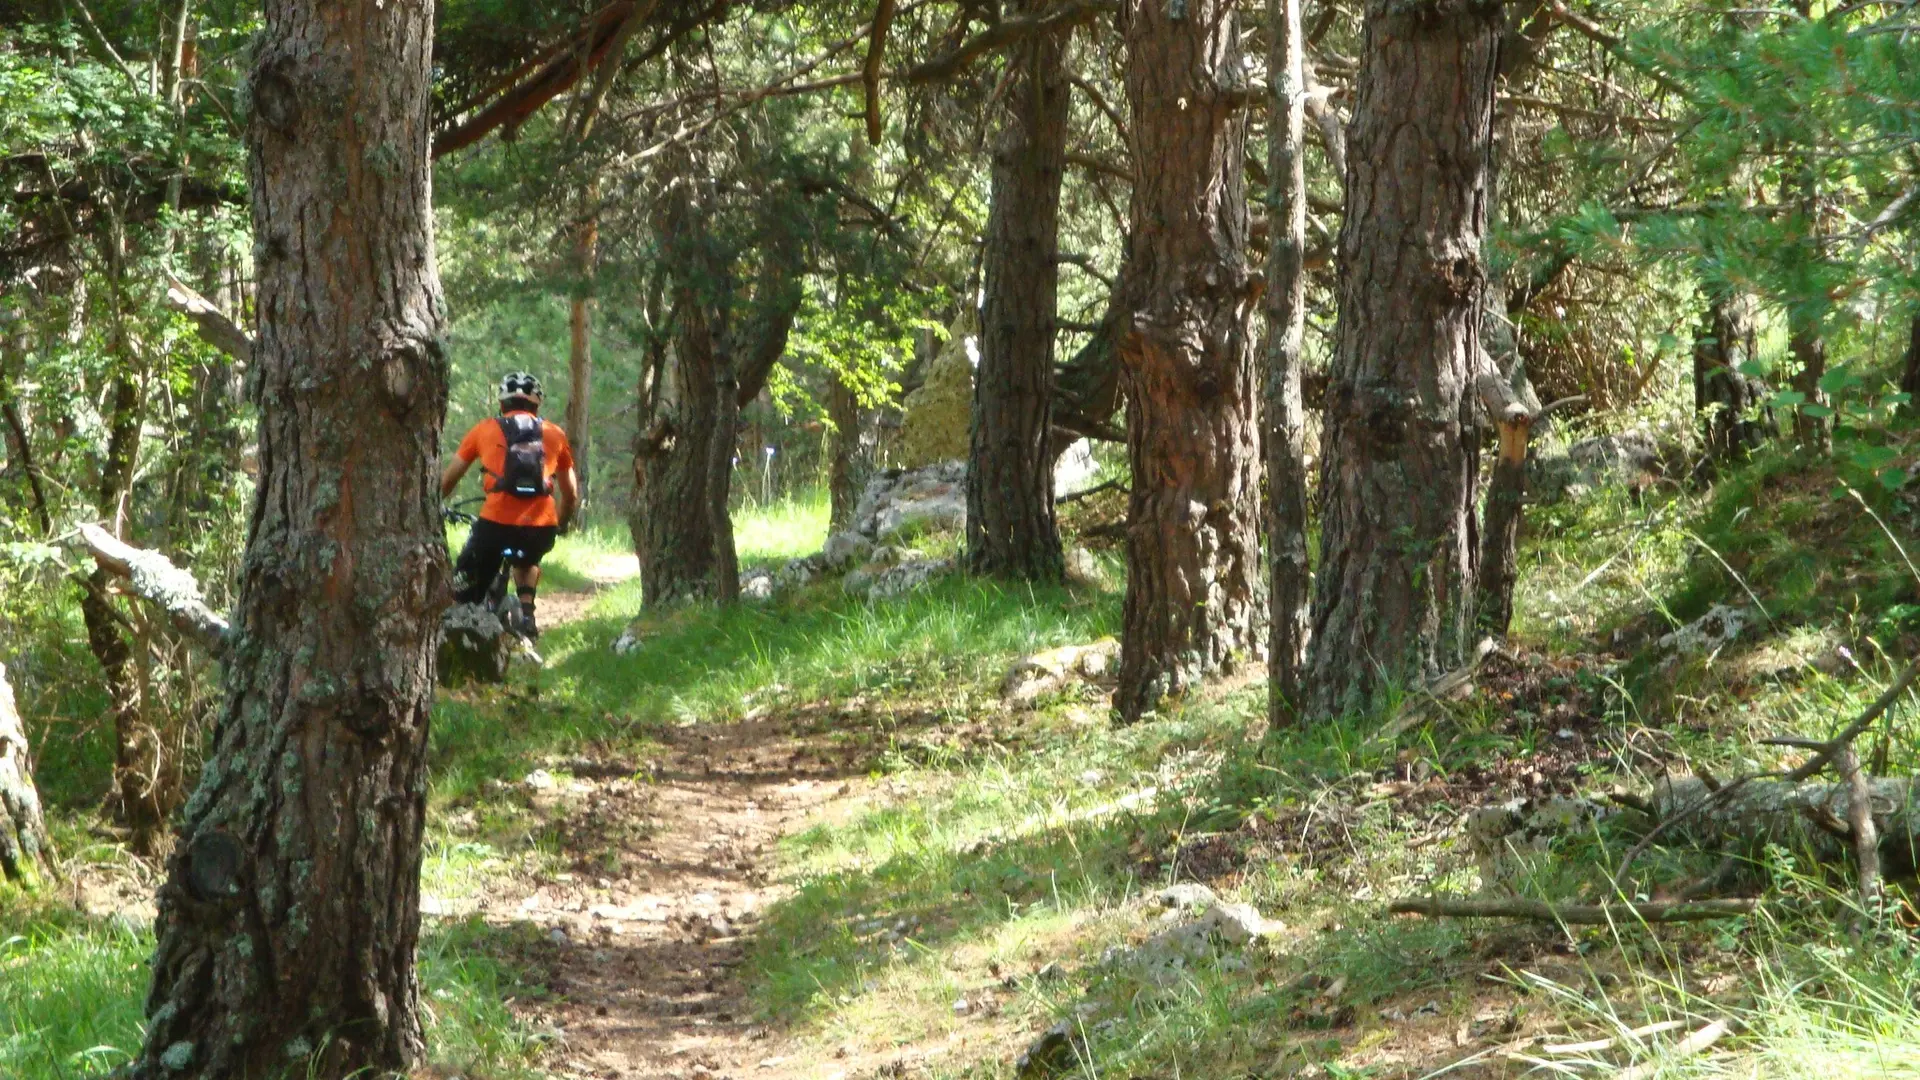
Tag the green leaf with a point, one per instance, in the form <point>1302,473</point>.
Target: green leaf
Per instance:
<point>1819,412</point>
<point>1786,399</point>
<point>1893,478</point>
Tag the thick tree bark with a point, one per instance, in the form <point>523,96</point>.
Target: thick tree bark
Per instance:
<point>683,466</point>
<point>1288,575</point>
<point>586,237</point>
<point>1724,395</point>
<point>1393,599</point>
<point>843,478</point>
<point>290,914</point>
<point>1195,602</point>
<point>26,856</point>
<point>1011,530</point>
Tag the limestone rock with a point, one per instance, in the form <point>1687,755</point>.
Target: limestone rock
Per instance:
<point>799,572</point>
<point>1034,677</point>
<point>1164,958</point>
<point>756,585</point>
<point>1083,568</point>
<point>899,501</point>
<point>907,577</point>
<point>1721,626</point>
<point>938,415</point>
<point>475,645</point>
<point>1624,458</point>
<point>1510,838</point>
<point>1075,470</point>
<point>845,549</point>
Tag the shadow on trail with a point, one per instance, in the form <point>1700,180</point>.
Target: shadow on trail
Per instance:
<point>705,664</point>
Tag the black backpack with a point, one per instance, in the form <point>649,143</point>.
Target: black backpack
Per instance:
<point>525,473</point>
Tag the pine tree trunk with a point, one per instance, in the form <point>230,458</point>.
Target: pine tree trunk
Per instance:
<point>580,354</point>
<point>1726,396</point>
<point>1393,599</point>
<point>1288,577</point>
<point>1195,602</point>
<point>843,478</point>
<point>26,856</point>
<point>290,914</point>
<point>683,467</point>
<point>1011,529</point>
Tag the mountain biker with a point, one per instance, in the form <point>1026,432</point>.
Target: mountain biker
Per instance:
<point>527,472</point>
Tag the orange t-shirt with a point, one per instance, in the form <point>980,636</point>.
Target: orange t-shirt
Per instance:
<point>489,444</point>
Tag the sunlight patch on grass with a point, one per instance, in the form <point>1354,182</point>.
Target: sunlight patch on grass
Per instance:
<point>790,527</point>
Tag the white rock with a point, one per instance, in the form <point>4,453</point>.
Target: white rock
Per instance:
<point>1083,568</point>
<point>758,586</point>
<point>626,643</point>
<point>1075,470</point>
<point>1721,626</point>
<point>539,780</point>
<point>1187,894</point>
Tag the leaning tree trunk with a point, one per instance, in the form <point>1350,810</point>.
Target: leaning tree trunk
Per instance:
<point>1393,599</point>
<point>26,856</point>
<point>1194,602</point>
<point>291,911</point>
<point>1011,529</point>
<point>1289,579</point>
<point>586,236</point>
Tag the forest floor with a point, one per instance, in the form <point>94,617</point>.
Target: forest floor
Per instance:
<point>808,838</point>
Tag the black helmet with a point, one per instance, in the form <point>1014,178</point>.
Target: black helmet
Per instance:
<point>520,384</point>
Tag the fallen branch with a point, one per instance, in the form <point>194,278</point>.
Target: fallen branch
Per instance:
<point>1719,795</point>
<point>1814,817</point>
<point>1596,1045</point>
<point>1075,496</point>
<point>216,328</point>
<point>1866,836</point>
<point>1414,708</point>
<point>1577,914</point>
<point>155,579</point>
<point>1696,1043</point>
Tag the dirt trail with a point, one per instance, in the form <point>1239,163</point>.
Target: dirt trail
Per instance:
<point>644,937</point>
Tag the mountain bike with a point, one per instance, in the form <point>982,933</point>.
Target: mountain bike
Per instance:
<point>501,599</point>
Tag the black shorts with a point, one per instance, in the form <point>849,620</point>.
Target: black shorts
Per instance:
<point>487,546</point>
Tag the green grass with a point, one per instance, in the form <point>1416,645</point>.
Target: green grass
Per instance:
<point>790,527</point>
<point>71,988</point>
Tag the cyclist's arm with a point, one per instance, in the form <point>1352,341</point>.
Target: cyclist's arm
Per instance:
<point>566,494</point>
<point>450,479</point>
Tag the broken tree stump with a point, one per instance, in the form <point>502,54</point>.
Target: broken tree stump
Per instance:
<point>26,856</point>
